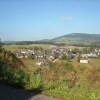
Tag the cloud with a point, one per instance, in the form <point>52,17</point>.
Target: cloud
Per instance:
<point>64,18</point>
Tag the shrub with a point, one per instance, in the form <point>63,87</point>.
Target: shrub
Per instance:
<point>12,75</point>
<point>22,78</point>
<point>50,64</point>
<point>82,68</point>
<point>68,66</point>
<point>34,82</point>
<point>49,85</point>
<point>63,57</point>
<point>70,57</point>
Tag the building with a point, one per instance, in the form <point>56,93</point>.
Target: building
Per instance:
<point>88,55</point>
<point>84,60</point>
<point>51,57</point>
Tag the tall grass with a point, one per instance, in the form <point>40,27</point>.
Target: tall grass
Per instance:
<point>55,80</point>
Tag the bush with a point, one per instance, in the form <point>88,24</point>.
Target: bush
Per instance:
<point>68,66</point>
<point>70,57</point>
<point>50,64</point>
<point>82,68</point>
<point>49,85</point>
<point>34,82</point>
<point>12,75</point>
<point>63,57</point>
<point>20,77</point>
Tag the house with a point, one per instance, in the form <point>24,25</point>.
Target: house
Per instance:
<point>23,51</point>
<point>51,57</point>
<point>97,51</point>
<point>40,56</point>
<point>19,55</point>
<point>84,60</point>
<point>63,50</point>
<point>88,55</point>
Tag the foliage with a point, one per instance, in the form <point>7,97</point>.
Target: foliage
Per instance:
<point>78,58</point>
<point>62,79</point>
<point>20,78</point>
<point>12,75</point>
<point>8,58</point>
<point>63,57</point>
<point>76,49</point>
<point>50,64</point>
<point>49,85</point>
<point>85,50</point>
<point>1,44</point>
<point>68,66</point>
<point>14,47</point>
<point>56,55</point>
<point>78,39</point>
<point>34,82</point>
<point>70,57</point>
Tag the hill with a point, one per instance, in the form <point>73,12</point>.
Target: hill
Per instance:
<point>70,39</point>
<point>78,38</point>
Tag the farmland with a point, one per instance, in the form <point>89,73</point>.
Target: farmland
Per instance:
<point>20,47</point>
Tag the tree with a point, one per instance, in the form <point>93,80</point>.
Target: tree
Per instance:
<point>56,55</point>
<point>0,43</point>
<point>70,57</point>
<point>78,58</point>
<point>85,50</point>
<point>76,49</point>
<point>63,57</point>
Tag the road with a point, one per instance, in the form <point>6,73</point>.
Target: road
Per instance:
<point>10,93</point>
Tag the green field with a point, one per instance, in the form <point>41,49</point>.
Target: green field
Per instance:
<point>19,47</point>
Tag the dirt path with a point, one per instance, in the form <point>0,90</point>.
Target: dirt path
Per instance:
<point>9,93</point>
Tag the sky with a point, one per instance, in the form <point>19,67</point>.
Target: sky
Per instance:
<point>45,19</point>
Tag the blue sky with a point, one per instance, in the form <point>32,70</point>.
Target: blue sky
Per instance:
<point>45,19</point>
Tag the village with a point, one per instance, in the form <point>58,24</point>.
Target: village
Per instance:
<point>55,52</point>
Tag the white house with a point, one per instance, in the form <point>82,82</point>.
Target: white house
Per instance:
<point>97,50</point>
<point>84,60</point>
<point>88,55</point>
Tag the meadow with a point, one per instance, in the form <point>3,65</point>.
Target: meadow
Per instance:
<point>20,47</point>
<point>14,47</point>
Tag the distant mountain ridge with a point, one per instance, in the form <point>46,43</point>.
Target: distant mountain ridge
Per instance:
<point>78,38</point>
<point>70,39</point>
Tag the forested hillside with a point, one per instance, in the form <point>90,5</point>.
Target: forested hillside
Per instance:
<point>78,38</point>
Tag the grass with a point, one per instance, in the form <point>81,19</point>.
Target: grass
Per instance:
<point>54,80</point>
<point>19,47</point>
<point>75,94</point>
<point>30,64</point>
<point>94,62</point>
<point>57,80</point>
